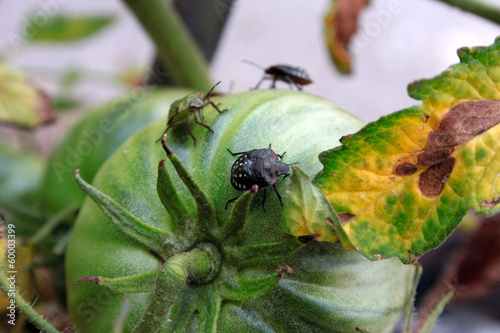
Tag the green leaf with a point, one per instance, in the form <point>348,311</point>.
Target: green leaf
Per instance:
<point>406,180</point>
<point>62,28</point>
<point>20,103</point>
<point>306,209</point>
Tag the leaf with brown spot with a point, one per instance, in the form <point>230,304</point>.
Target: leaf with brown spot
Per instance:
<point>341,23</point>
<point>409,178</point>
<point>20,103</point>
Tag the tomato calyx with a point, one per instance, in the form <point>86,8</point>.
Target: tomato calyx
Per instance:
<point>200,254</point>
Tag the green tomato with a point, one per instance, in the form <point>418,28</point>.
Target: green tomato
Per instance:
<point>95,137</point>
<point>330,290</point>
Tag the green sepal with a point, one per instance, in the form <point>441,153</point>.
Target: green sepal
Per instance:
<point>240,289</point>
<point>231,230</point>
<point>262,253</point>
<point>182,310</point>
<point>180,219</point>
<point>150,237</point>
<point>140,283</point>
<point>206,211</point>
<point>209,312</point>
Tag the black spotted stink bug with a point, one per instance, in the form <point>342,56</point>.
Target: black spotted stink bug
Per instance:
<point>190,107</point>
<point>260,167</point>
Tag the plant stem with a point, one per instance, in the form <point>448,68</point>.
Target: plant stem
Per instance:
<point>20,304</point>
<point>171,280</point>
<point>47,229</point>
<point>177,50</point>
<point>480,8</point>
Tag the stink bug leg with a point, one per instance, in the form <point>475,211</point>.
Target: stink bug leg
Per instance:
<point>208,101</point>
<point>236,154</point>
<point>231,200</point>
<point>277,193</point>
<point>264,200</point>
<point>190,133</point>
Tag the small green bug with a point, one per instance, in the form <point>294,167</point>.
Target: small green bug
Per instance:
<point>190,107</point>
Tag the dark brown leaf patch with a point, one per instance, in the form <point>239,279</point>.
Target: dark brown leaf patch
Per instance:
<point>431,182</point>
<point>431,157</point>
<point>461,124</point>
<point>345,217</point>
<point>464,122</point>
<point>405,169</point>
<point>308,238</point>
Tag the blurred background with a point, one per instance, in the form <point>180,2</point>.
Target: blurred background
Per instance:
<point>417,40</point>
<point>397,43</point>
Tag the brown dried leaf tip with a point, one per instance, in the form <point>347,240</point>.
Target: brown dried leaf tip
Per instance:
<point>341,23</point>
<point>94,279</point>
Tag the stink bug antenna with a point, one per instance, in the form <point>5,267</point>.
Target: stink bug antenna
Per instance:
<point>253,64</point>
<point>208,94</point>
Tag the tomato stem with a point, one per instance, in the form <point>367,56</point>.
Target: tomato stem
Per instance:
<point>410,304</point>
<point>15,299</point>
<point>170,281</point>
<point>479,8</point>
<point>47,229</point>
<point>176,48</point>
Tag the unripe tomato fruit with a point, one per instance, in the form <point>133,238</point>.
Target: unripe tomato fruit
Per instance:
<point>330,290</point>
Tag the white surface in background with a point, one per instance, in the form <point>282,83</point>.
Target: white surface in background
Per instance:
<point>120,46</point>
<point>418,42</point>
